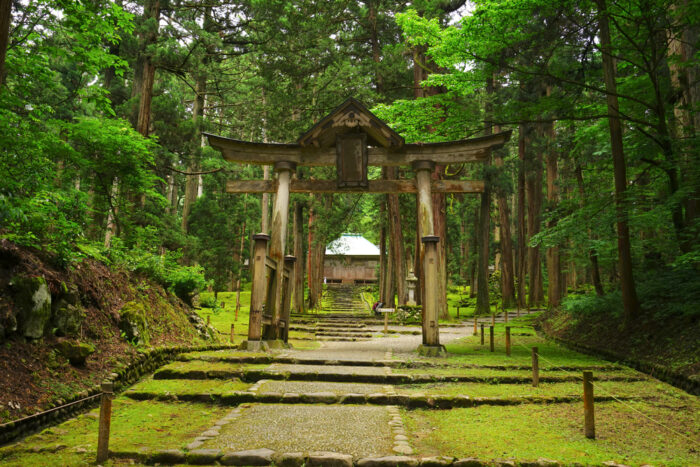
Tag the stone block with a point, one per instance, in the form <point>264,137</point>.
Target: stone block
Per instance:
<point>438,461</point>
<point>289,459</point>
<point>320,398</point>
<point>251,457</point>
<point>388,461</point>
<point>33,301</point>
<point>167,457</point>
<point>329,459</point>
<point>203,456</point>
<point>469,462</point>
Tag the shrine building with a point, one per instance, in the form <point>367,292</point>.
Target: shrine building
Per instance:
<point>351,259</point>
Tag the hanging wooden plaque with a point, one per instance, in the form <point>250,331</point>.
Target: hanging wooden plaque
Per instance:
<point>351,160</point>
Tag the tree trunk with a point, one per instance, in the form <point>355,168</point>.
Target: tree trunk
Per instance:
<point>396,246</point>
<point>592,252</point>
<point>382,256</point>
<point>624,250</point>
<point>5,20</point>
<point>192,181</point>
<point>151,12</point>
<point>521,270</point>
<point>299,254</point>
<point>506,241</point>
<point>533,189</point>
<point>552,254</point>
<point>440,226</point>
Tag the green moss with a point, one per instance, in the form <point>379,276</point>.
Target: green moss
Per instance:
<point>183,386</point>
<point>133,323</point>
<point>556,432</point>
<point>200,365</point>
<point>135,426</point>
<point>75,352</point>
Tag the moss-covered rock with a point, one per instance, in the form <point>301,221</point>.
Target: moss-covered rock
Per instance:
<point>75,352</point>
<point>132,322</point>
<point>67,318</point>
<point>33,301</point>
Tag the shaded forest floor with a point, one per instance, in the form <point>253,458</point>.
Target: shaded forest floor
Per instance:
<point>673,344</point>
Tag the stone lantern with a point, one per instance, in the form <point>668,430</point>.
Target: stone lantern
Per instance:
<point>412,282</point>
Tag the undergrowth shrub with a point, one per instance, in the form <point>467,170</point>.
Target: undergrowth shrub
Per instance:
<point>662,293</point>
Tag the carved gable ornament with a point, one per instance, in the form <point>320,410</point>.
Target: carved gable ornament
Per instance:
<point>351,127</point>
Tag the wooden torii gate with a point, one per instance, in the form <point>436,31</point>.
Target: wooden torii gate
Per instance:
<point>350,138</point>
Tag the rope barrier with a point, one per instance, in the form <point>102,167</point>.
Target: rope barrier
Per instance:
<point>36,415</point>
<point>613,396</point>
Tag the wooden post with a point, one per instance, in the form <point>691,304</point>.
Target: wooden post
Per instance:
<point>475,330</point>
<point>508,340</point>
<point>278,230</point>
<point>457,311</point>
<point>588,408</point>
<point>430,300</point>
<point>491,338</point>
<point>535,367</point>
<point>232,333</point>
<point>289,262</point>
<point>105,421</point>
<point>482,333</point>
<point>425,227</point>
<point>257,290</point>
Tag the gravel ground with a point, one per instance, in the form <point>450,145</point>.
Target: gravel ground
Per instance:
<point>358,351</point>
<point>313,386</point>
<point>329,369</point>
<point>356,430</point>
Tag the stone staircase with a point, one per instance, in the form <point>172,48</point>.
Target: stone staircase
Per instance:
<point>344,316</point>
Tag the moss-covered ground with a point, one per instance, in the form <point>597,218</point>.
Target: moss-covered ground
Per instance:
<point>555,431</point>
<point>135,426</point>
<point>185,386</point>
<point>221,318</point>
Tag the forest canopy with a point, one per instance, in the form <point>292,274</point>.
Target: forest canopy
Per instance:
<point>593,205</point>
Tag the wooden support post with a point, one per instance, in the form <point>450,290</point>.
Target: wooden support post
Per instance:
<point>105,421</point>
<point>232,332</point>
<point>425,226</point>
<point>588,408</point>
<point>431,300</point>
<point>278,231</point>
<point>482,333</point>
<point>508,340</point>
<point>491,338</point>
<point>257,290</point>
<point>475,330</point>
<point>288,292</point>
<point>535,367</point>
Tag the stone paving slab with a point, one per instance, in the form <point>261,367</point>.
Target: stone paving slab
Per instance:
<point>357,352</point>
<point>356,430</point>
<point>305,387</point>
<point>328,369</point>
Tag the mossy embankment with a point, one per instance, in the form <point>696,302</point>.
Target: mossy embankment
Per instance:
<point>64,329</point>
<point>667,348</point>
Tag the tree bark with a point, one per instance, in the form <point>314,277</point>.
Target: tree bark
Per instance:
<point>5,20</point>
<point>521,270</point>
<point>592,252</point>
<point>192,181</point>
<point>440,229</point>
<point>624,250</point>
<point>552,254</point>
<point>506,241</point>
<point>533,189</point>
<point>151,12</point>
<point>299,254</point>
<point>396,241</point>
